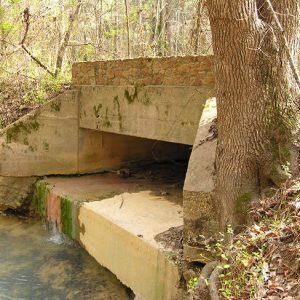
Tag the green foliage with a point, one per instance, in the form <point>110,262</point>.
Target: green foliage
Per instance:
<point>48,85</point>
<point>72,2</point>
<point>192,283</point>
<point>240,272</point>
<point>86,52</point>
<point>6,26</point>
<point>15,2</point>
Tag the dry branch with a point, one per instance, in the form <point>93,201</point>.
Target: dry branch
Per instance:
<point>26,21</point>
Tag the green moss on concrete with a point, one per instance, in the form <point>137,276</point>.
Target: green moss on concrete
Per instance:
<point>27,126</point>
<point>69,216</point>
<point>133,97</point>
<point>106,122</point>
<point>117,106</point>
<point>66,206</point>
<point>32,148</point>
<point>97,110</point>
<point>46,146</point>
<point>55,105</point>
<point>41,191</point>
<point>25,141</point>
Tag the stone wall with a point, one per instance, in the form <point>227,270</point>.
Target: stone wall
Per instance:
<point>154,98</point>
<point>176,71</point>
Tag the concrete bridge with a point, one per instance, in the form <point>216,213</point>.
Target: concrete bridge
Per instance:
<point>117,113</point>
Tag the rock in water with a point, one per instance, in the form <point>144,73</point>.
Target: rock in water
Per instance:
<point>14,191</point>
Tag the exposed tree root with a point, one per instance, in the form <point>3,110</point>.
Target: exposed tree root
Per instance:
<point>213,283</point>
<point>208,281</point>
<point>205,274</point>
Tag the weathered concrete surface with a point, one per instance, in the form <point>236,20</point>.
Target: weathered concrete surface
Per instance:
<point>14,192</point>
<point>199,211</point>
<point>42,142</point>
<point>167,113</point>
<point>49,141</point>
<point>157,98</point>
<point>119,233</point>
<point>172,71</point>
<point>116,220</point>
<point>56,138</point>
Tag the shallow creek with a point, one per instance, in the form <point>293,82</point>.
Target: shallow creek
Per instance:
<point>37,265</point>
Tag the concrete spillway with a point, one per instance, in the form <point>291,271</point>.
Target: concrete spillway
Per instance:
<point>119,230</point>
<point>117,113</point>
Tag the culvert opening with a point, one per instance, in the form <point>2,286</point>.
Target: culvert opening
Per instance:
<point>159,166</point>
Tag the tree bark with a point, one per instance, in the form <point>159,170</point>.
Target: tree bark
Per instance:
<point>66,38</point>
<point>257,95</point>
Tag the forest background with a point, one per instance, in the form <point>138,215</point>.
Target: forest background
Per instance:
<point>41,39</point>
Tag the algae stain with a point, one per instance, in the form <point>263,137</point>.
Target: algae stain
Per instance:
<point>82,228</point>
<point>131,98</point>
<point>96,110</point>
<point>26,127</point>
<point>145,99</point>
<point>55,105</point>
<point>68,216</point>
<point>25,141</point>
<point>117,103</point>
<point>32,148</point>
<point>46,145</point>
<point>106,122</point>
<point>40,198</point>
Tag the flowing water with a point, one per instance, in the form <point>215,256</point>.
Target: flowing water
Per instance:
<point>36,265</point>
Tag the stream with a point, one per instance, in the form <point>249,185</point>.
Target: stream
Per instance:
<point>37,265</point>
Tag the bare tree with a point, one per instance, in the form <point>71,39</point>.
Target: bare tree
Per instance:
<point>128,28</point>
<point>66,38</point>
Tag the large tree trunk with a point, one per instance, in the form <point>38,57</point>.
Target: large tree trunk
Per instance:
<point>256,101</point>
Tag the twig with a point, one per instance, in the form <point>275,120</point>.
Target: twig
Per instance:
<point>26,20</point>
<point>121,205</point>
<point>37,61</point>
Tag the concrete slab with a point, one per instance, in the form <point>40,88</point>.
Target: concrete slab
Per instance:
<point>116,221</point>
<point>119,233</point>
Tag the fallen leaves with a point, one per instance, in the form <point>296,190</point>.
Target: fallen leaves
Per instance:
<point>265,257</point>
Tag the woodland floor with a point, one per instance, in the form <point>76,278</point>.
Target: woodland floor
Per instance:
<point>20,95</point>
<point>263,261</point>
